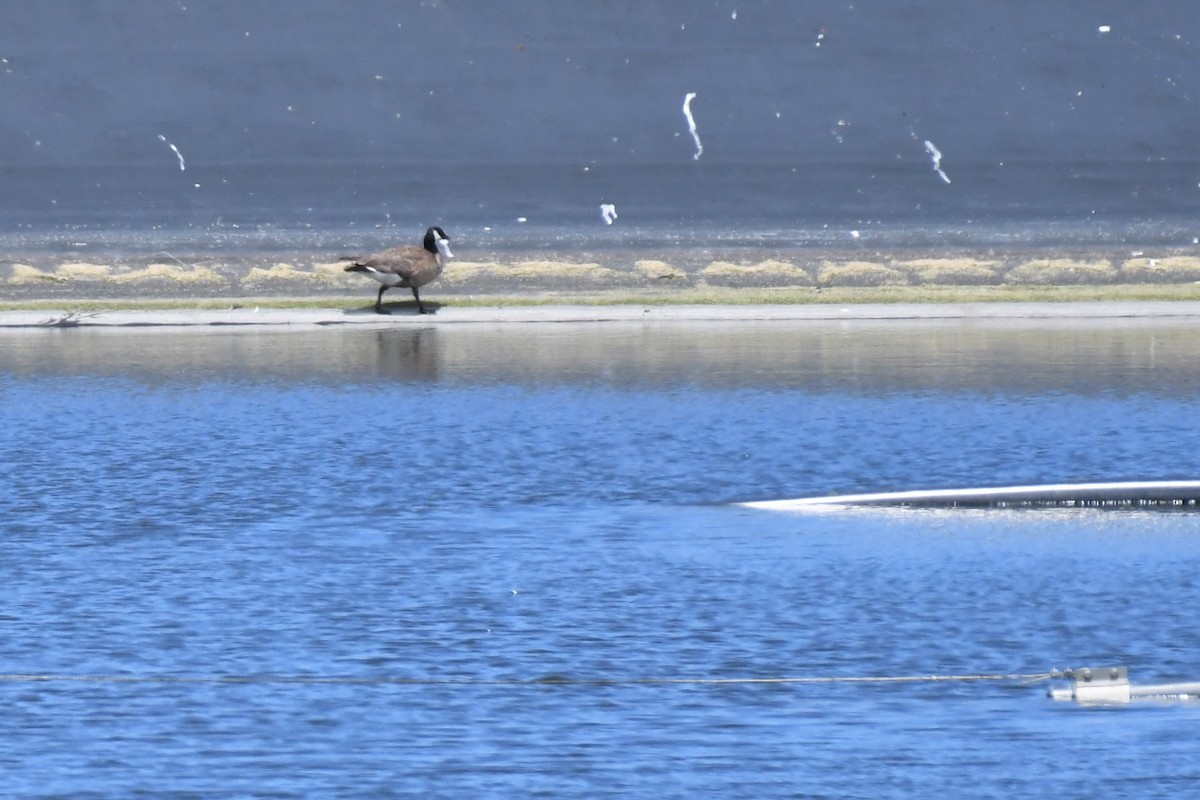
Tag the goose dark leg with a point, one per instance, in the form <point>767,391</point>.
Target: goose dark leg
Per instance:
<point>379,300</point>
<point>417,297</point>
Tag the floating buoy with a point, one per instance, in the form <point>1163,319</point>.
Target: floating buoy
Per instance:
<point>1110,686</point>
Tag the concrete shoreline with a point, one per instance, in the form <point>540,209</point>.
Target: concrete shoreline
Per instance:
<point>282,318</point>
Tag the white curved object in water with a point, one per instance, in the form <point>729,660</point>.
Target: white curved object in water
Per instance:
<point>1136,494</point>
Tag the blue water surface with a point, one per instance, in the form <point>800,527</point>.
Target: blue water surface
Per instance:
<point>510,560</point>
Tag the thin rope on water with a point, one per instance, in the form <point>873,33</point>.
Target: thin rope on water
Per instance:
<point>550,680</point>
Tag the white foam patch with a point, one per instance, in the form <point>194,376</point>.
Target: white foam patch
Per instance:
<point>609,212</point>
<point>936,156</point>
<point>691,121</point>
<point>175,150</point>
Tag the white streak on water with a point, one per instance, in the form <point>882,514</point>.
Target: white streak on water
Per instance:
<point>691,121</point>
<point>609,212</point>
<point>175,150</point>
<point>936,156</point>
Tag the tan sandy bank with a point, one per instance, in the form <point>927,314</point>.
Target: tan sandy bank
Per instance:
<point>25,277</point>
<point>254,316</point>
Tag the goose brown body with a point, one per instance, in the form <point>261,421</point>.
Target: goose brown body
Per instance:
<point>406,267</point>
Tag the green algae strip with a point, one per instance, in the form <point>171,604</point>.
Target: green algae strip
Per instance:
<point>704,295</point>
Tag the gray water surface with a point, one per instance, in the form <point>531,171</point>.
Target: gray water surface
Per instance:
<point>1065,124</point>
<point>465,508</point>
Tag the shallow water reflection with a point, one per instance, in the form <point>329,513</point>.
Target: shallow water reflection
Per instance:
<point>1072,356</point>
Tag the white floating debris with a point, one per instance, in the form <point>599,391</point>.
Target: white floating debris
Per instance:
<point>1104,28</point>
<point>936,156</point>
<point>820,37</point>
<point>837,130</point>
<point>522,219</point>
<point>733,16</point>
<point>609,212</point>
<point>855,234</point>
<point>691,121</point>
<point>175,150</point>
<point>1146,495</point>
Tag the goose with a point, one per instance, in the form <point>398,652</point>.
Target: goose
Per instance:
<point>408,266</point>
